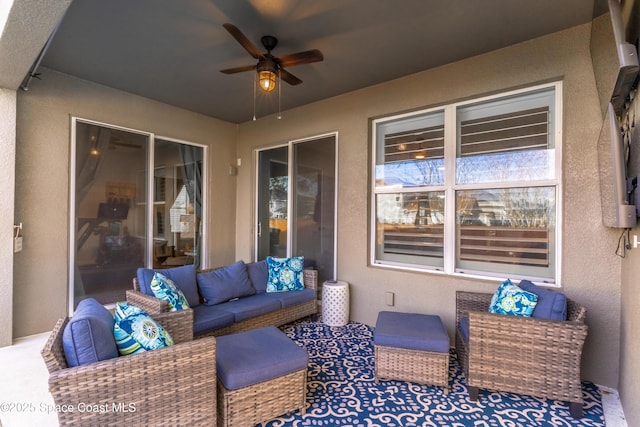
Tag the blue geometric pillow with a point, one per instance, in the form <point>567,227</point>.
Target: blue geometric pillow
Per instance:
<point>285,274</point>
<point>164,288</point>
<point>510,299</point>
<point>135,331</point>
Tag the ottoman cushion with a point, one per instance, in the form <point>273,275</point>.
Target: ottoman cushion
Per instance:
<point>411,331</point>
<point>255,356</point>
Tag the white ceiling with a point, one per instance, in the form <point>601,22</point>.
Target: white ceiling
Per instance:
<point>172,51</point>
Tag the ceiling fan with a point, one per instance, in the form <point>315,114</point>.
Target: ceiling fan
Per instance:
<point>269,67</point>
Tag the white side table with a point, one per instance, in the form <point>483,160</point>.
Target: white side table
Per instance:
<point>335,303</point>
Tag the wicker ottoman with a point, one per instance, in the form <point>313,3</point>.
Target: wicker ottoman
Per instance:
<point>411,347</point>
<point>262,374</point>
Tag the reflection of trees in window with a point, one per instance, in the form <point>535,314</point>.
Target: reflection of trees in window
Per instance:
<point>278,196</point>
<point>508,207</point>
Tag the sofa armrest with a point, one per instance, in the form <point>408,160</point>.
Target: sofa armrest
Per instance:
<point>471,301</point>
<point>311,279</point>
<point>178,323</point>
<point>148,303</point>
<point>172,385</point>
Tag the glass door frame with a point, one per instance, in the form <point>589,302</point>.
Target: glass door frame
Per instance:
<point>149,197</point>
<point>290,194</point>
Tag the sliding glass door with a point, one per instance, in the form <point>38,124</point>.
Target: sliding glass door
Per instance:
<point>137,201</point>
<point>296,203</point>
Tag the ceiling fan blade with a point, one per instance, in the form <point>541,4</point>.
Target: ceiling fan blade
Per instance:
<point>306,57</point>
<point>243,40</point>
<point>238,69</point>
<point>289,78</point>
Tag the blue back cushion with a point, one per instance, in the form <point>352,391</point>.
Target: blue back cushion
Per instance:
<point>551,304</point>
<point>88,337</point>
<point>259,275</point>
<point>183,277</point>
<point>225,283</point>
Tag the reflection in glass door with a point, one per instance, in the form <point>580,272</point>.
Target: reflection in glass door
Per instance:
<point>110,242</point>
<point>273,193</point>
<point>124,216</point>
<point>300,211</point>
<point>177,206</point>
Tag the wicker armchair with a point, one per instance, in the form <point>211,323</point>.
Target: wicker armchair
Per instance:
<point>171,386</point>
<point>523,355</point>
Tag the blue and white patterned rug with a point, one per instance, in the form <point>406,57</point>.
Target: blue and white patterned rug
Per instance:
<point>341,391</point>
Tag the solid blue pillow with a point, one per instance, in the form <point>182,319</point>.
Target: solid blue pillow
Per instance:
<point>511,300</point>
<point>184,278</point>
<point>551,304</point>
<point>259,275</point>
<point>225,283</point>
<point>285,274</point>
<point>88,337</point>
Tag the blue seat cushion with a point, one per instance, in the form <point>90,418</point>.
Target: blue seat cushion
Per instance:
<point>208,318</point>
<point>551,304</point>
<point>411,331</point>
<point>184,278</point>
<point>252,306</point>
<point>287,299</point>
<point>225,283</point>
<point>88,336</point>
<point>259,275</point>
<point>255,356</point>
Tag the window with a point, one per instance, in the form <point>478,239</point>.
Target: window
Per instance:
<point>470,187</point>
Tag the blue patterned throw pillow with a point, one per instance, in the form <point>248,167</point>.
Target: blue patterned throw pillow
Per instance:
<point>164,288</point>
<point>510,299</point>
<point>135,331</point>
<point>285,274</point>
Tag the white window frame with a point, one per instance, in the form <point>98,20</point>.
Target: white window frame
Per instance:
<point>450,187</point>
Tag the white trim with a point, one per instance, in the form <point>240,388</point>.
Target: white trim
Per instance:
<point>72,218</point>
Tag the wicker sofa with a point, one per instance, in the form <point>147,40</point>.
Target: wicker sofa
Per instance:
<point>526,355</point>
<point>167,386</point>
<point>290,305</point>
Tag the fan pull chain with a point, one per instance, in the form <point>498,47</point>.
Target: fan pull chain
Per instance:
<point>255,82</point>
<point>279,93</point>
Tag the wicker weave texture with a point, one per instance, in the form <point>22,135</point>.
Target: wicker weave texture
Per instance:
<point>262,402</point>
<point>167,386</point>
<point>402,364</point>
<point>524,355</point>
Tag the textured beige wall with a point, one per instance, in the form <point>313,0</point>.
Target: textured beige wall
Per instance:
<point>590,270</point>
<point>7,177</point>
<point>42,182</point>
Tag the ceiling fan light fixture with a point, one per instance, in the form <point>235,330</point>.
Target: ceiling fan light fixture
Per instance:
<point>267,80</point>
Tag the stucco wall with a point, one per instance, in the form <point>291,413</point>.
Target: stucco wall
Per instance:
<point>590,270</point>
<point>7,177</point>
<point>42,182</point>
